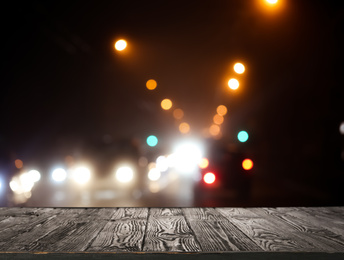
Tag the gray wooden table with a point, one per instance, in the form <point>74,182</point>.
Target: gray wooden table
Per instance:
<point>156,233</point>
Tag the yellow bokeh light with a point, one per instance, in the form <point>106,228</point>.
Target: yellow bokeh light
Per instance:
<point>221,110</point>
<point>271,1</point>
<point>184,128</point>
<point>166,104</point>
<point>218,119</point>
<point>203,163</point>
<point>247,164</point>
<point>151,84</point>
<point>178,113</point>
<point>233,84</point>
<point>18,163</point>
<point>239,68</point>
<point>214,130</point>
<point>120,45</point>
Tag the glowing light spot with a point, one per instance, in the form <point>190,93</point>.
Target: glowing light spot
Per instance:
<point>152,140</point>
<point>271,1</point>
<point>247,164</point>
<point>341,128</point>
<point>26,182</point>
<point>214,130</point>
<point>34,175</point>
<point>162,163</point>
<point>14,185</point>
<point>233,84</point>
<point>184,128</point>
<point>120,45</point>
<point>242,136</point>
<point>124,174</point>
<point>154,174</point>
<point>221,110</point>
<point>82,175</point>
<point>178,113</point>
<point>166,104</point>
<point>218,119</point>
<point>151,84</point>
<point>209,178</point>
<point>18,163</point>
<point>187,156</point>
<point>204,163</point>
<point>154,187</point>
<point>59,175</point>
<point>239,68</point>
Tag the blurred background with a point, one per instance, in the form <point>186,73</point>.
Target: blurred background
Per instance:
<point>172,103</point>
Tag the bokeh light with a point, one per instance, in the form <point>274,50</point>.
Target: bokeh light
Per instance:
<point>26,182</point>
<point>214,130</point>
<point>184,128</point>
<point>162,163</point>
<point>34,175</point>
<point>124,174</point>
<point>341,128</point>
<point>151,84</point>
<point>166,104</point>
<point>209,178</point>
<point>152,140</point>
<point>271,1</point>
<point>154,174</point>
<point>218,119</point>
<point>242,136</point>
<point>233,84</point>
<point>239,68</point>
<point>18,163</point>
<point>59,175</point>
<point>178,113</point>
<point>203,163</point>
<point>187,156</point>
<point>221,110</point>
<point>82,175</point>
<point>120,45</point>
<point>247,164</point>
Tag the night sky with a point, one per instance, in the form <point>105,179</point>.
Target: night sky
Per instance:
<point>64,85</point>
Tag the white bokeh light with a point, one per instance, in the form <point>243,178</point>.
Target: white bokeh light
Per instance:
<point>34,175</point>
<point>154,174</point>
<point>81,175</point>
<point>187,156</point>
<point>59,175</point>
<point>162,163</point>
<point>124,174</point>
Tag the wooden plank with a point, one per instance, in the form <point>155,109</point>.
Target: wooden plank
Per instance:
<point>124,232</point>
<point>167,230</point>
<point>319,237</point>
<point>215,233</point>
<point>267,235</point>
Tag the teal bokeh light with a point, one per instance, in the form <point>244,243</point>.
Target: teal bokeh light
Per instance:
<point>243,136</point>
<point>152,140</point>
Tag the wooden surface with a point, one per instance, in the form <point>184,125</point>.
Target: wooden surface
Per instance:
<point>152,233</point>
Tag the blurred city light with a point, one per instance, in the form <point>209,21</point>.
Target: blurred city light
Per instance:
<point>184,128</point>
<point>209,178</point>
<point>214,130</point>
<point>59,175</point>
<point>154,174</point>
<point>14,185</point>
<point>151,84</point>
<point>188,155</point>
<point>18,163</point>
<point>178,113</point>
<point>242,136</point>
<point>247,164</point>
<point>166,104</point>
<point>341,128</point>
<point>26,182</point>
<point>221,110</point>
<point>34,175</point>
<point>203,163</point>
<point>120,45</point>
<point>233,84</point>
<point>218,119</point>
<point>124,174</point>
<point>81,175</point>
<point>271,1</point>
<point>152,140</point>
<point>239,68</point>
<point>162,163</point>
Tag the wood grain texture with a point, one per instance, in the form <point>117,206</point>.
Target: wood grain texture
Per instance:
<point>215,233</point>
<point>167,230</point>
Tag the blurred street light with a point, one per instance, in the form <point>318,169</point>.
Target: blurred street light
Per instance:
<point>59,175</point>
<point>124,174</point>
<point>82,175</point>
<point>151,84</point>
<point>242,136</point>
<point>178,113</point>
<point>209,178</point>
<point>152,140</point>
<point>247,164</point>
<point>239,68</point>
<point>184,128</point>
<point>233,84</point>
<point>120,45</point>
<point>272,2</point>
<point>166,104</point>
<point>221,110</point>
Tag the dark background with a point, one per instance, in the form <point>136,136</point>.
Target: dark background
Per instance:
<point>63,86</point>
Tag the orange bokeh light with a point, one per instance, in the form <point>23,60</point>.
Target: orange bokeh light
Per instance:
<point>178,113</point>
<point>221,110</point>
<point>184,128</point>
<point>166,104</point>
<point>120,45</point>
<point>203,163</point>
<point>151,84</point>
<point>214,130</point>
<point>247,164</point>
<point>209,178</point>
<point>18,163</point>
<point>218,119</point>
